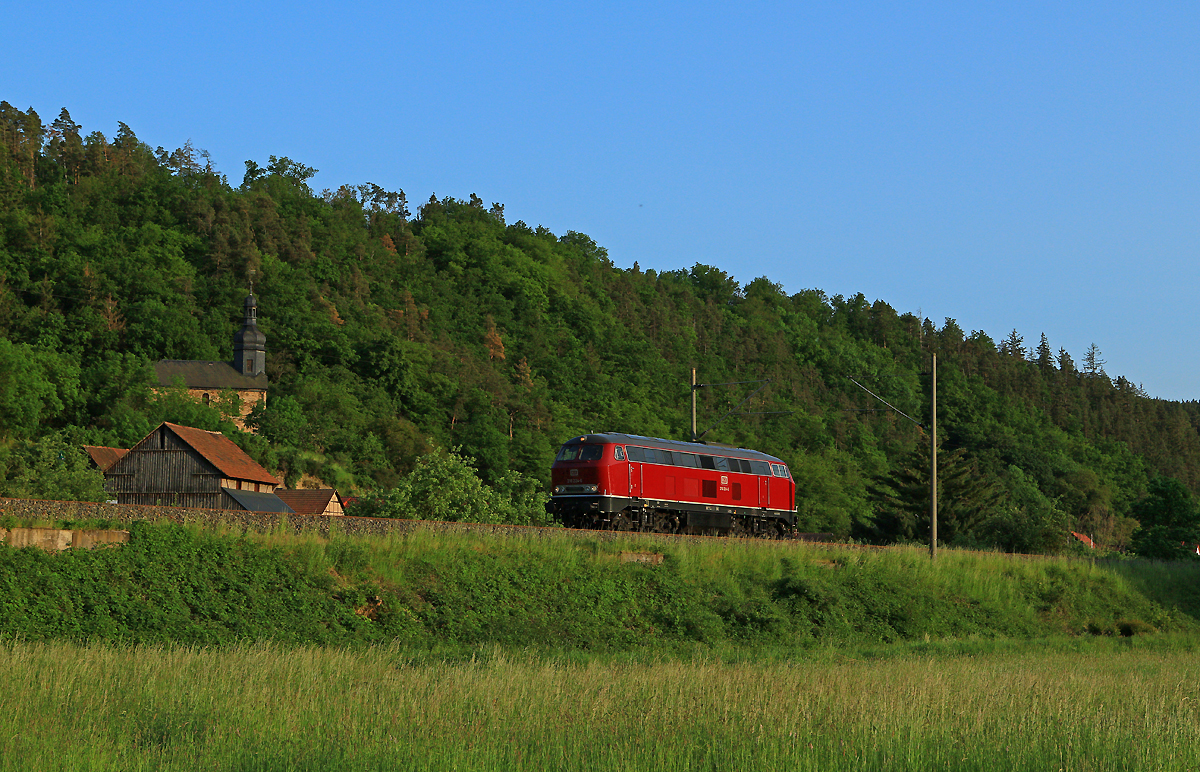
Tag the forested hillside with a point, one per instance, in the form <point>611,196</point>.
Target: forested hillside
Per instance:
<point>392,332</point>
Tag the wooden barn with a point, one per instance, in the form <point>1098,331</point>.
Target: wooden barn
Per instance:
<point>307,501</point>
<point>185,467</point>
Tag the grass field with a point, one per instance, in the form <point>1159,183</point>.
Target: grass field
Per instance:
<point>191,649</point>
<point>1090,704</point>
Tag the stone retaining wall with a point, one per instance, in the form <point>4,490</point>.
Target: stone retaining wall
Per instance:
<point>58,539</point>
<point>265,522</point>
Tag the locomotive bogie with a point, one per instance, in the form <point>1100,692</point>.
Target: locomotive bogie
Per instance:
<point>627,482</point>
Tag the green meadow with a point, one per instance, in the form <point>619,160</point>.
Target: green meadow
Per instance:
<point>201,649</point>
<point>1105,704</point>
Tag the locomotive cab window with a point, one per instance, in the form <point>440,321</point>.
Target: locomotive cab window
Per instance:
<point>779,470</point>
<point>580,453</point>
<point>619,453</point>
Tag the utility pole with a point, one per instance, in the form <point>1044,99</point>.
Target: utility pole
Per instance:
<point>933,470</point>
<point>700,437</point>
<point>694,438</point>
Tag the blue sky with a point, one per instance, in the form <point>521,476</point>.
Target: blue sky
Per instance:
<point>1010,165</point>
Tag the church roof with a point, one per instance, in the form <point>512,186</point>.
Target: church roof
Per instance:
<point>220,451</point>
<point>198,374</point>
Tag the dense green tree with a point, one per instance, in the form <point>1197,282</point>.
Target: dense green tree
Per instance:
<point>49,468</point>
<point>966,498</point>
<point>1168,521</point>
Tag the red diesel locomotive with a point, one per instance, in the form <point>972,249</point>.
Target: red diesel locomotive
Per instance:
<point>629,483</point>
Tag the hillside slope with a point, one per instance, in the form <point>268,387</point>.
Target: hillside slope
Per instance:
<point>388,334</point>
<point>425,589</point>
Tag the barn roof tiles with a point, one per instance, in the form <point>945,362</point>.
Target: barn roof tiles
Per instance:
<point>104,457</point>
<point>220,451</point>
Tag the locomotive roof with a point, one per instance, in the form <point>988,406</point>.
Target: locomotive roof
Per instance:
<point>683,447</point>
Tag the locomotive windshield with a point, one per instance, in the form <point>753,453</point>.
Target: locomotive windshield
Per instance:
<point>580,453</point>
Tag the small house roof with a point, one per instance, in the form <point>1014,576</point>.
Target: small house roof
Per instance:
<point>1085,539</point>
<point>222,453</point>
<point>259,502</point>
<point>306,501</point>
<point>104,457</point>
<point>198,374</point>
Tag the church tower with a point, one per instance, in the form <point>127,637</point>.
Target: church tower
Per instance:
<point>249,344</point>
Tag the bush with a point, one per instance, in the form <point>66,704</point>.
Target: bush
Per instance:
<point>444,486</point>
<point>49,468</point>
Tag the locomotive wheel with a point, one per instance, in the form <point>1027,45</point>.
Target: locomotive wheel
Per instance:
<point>621,522</point>
<point>740,528</point>
<point>665,523</point>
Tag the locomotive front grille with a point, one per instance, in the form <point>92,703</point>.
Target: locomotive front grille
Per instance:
<point>568,489</point>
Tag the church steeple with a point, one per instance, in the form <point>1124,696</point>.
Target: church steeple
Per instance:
<point>249,344</point>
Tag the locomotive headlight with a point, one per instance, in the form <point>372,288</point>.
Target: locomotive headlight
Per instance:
<point>590,488</point>
<point>558,489</point>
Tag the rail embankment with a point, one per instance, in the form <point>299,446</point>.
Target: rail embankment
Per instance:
<point>205,577</point>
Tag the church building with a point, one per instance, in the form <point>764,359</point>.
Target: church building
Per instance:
<point>246,376</point>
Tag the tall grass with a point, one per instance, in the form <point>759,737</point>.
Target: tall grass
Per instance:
<point>1109,705</point>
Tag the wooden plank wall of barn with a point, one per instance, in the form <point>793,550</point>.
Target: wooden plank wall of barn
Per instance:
<point>163,470</point>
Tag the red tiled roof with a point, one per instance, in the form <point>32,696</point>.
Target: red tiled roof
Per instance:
<point>1084,539</point>
<point>306,501</point>
<point>104,457</point>
<point>220,451</point>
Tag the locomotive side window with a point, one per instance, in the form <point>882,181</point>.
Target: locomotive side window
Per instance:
<point>687,459</point>
<point>635,454</point>
<point>706,462</point>
<point>721,463</point>
<point>619,453</point>
<point>761,468</point>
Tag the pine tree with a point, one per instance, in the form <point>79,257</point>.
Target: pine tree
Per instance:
<point>966,497</point>
<point>1045,359</point>
<point>1093,365</point>
<point>1065,364</point>
<point>1013,345</point>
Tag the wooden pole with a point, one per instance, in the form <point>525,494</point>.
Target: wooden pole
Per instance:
<point>933,470</point>
<point>693,404</point>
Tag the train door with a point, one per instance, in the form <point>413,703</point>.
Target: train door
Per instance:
<point>764,491</point>
<point>619,474</point>
<point>635,480</point>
